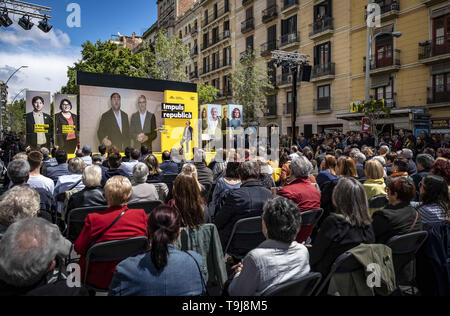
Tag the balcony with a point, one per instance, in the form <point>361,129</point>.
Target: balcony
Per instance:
<point>271,109</point>
<point>246,2</point>
<point>247,53</point>
<point>215,16</point>
<point>322,105</point>
<point>290,40</point>
<point>247,25</point>
<point>194,51</point>
<point>438,94</point>
<point>388,11</point>
<point>193,75</point>
<point>321,27</point>
<point>270,14</point>
<point>289,5</point>
<point>215,66</point>
<point>216,40</point>
<point>384,65</point>
<point>224,94</point>
<point>432,54</point>
<point>205,70</point>
<point>430,3</point>
<point>286,79</point>
<point>267,48</point>
<point>194,32</point>
<point>323,72</point>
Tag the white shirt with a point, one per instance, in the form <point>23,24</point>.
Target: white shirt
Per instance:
<point>143,116</point>
<point>65,183</point>
<point>119,120</point>
<point>128,166</point>
<point>41,182</point>
<point>87,160</point>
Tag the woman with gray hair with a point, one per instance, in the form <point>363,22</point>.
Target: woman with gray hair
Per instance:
<point>18,203</point>
<point>302,192</point>
<point>277,260</point>
<point>142,191</point>
<point>347,228</point>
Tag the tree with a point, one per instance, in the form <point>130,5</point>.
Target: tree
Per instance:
<point>250,84</point>
<point>167,59</point>
<point>105,58</point>
<point>206,93</point>
<point>375,110</point>
<point>15,116</point>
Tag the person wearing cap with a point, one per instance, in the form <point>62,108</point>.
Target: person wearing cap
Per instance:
<point>87,152</point>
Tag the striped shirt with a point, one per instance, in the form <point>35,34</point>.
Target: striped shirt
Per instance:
<point>429,214</point>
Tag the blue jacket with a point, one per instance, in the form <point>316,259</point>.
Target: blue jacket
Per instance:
<point>111,173</point>
<point>137,276</point>
<point>169,167</point>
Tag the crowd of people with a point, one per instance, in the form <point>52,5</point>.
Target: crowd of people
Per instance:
<point>188,233</point>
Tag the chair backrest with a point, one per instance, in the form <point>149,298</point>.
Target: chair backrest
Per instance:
<point>115,250</point>
<point>345,263</point>
<point>404,248</point>
<point>247,226</point>
<point>76,217</point>
<point>147,206</point>
<point>303,286</point>
<point>169,179</point>
<point>379,201</point>
<point>311,217</point>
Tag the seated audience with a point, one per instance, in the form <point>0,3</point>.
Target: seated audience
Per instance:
<point>187,200</point>
<point>328,170</point>
<point>129,165</point>
<point>347,228</point>
<point>164,270</point>
<point>399,217</point>
<point>441,167</point>
<point>434,200</point>
<point>36,180</point>
<point>374,185</point>
<point>168,166</point>
<point>408,155</point>
<point>18,203</point>
<point>205,175</point>
<point>28,254</point>
<point>132,223</point>
<point>230,181</point>
<point>346,167</point>
<point>114,162</point>
<point>424,163</point>
<point>102,151</point>
<point>277,260</point>
<point>399,170</point>
<point>218,164</point>
<point>142,191</point>
<point>302,191</point>
<point>266,176</point>
<point>359,158</point>
<point>390,158</point>
<point>59,170</point>
<point>155,174</point>
<point>87,153</point>
<point>245,202</point>
<point>72,181</point>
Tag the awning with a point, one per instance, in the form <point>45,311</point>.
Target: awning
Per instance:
<point>357,116</point>
<point>380,81</point>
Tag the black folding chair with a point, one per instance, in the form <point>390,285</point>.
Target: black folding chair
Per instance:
<point>303,286</point>
<point>379,201</point>
<point>114,250</point>
<point>169,179</point>
<point>343,264</point>
<point>311,217</point>
<point>76,217</point>
<point>249,229</point>
<point>147,206</point>
<point>404,249</point>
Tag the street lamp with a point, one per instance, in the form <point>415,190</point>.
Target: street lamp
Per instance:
<point>369,55</point>
<point>15,73</point>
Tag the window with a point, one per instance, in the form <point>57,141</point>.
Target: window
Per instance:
<point>322,54</point>
<point>205,17</point>
<point>226,5</point>
<point>289,26</point>
<point>216,11</point>
<point>272,37</point>
<point>323,97</point>
<point>205,40</point>
<point>205,64</point>
<point>227,84</point>
<point>441,87</point>
<point>249,43</point>
<point>441,34</point>
<point>289,101</point>
<point>227,56</point>
<point>384,51</point>
<point>215,61</point>
<point>180,35</point>
<point>272,72</point>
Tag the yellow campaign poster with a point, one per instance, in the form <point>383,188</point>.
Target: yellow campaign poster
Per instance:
<point>41,128</point>
<point>180,114</point>
<point>68,129</point>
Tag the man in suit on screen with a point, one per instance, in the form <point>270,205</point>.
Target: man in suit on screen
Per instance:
<point>143,125</point>
<point>114,128</point>
<point>38,117</point>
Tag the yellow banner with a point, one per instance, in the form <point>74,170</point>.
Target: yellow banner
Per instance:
<point>68,129</point>
<point>41,128</point>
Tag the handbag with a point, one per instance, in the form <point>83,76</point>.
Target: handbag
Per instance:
<point>200,271</point>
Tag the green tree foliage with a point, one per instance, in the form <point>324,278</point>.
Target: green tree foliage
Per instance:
<point>206,93</point>
<point>15,116</point>
<point>105,58</point>
<point>250,83</point>
<point>375,110</point>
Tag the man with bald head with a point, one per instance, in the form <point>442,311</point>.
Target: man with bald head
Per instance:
<point>143,125</point>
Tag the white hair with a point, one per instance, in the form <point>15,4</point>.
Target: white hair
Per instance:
<point>92,176</point>
<point>301,167</point>
<point>18,203</point>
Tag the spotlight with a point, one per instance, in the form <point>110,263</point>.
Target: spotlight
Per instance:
<point>44,26</point>
<point>5,19</point>
<point>25,23</point>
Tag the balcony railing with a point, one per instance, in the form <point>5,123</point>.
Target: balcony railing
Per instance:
<point>384,62</point>
<point>323,70</point>
<point>289,3</point>
<point>321,25</point>
<point>267,48</point>
<point>428,50</point>
<point>224,93</point>
<point>438,94</point>
<point>290,38</point>
<point>270,13</point>
<point>193,75</point>
<point>216,39</point>
<point>246,53</point>
<point>286,78</point>
<point>385,8</point>
<point>205,70</point>
<point>212,17</point>
<point>322,104</point>
<point>216,65</point>
<point>247,25</point>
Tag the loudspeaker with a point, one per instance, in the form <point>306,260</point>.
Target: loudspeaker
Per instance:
<point>306,73</point>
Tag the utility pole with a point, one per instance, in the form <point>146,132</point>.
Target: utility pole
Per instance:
<point>292,61</point>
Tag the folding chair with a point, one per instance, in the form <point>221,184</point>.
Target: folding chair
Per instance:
<point>303,286</point>
<point>404,249</point>
<point>114,250</point>
<point>379,201</point>
<point>147,206</point>
<point>169,179</point>
<point>76,217</point>
<point>310,218</point>
<point>249,229</point>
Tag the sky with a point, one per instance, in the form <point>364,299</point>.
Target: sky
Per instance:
<point>48,55</point>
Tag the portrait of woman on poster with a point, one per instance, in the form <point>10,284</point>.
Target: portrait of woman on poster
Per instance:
<point>66,118</point>
<point>204,120</point>
<point>236,119</point>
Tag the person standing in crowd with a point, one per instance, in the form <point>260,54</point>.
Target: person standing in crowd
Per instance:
<point>277,260</point>
<point>143,125</point>
<point>169,271</point>
<point>67,141</point>
<point>350,226</point>
<point>38,117</point>
<point>114,129</point>
<point>302,192</point>
<point>396,143</point>
<point>132,223</point>
<point>399,217</point>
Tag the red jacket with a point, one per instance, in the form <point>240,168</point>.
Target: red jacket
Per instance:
<point>307,197</point>
<point>132,224</point>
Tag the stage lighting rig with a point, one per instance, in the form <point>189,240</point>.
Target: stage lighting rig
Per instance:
<point>44,26</point>
<point>27,12</point>
<point>5,20</point>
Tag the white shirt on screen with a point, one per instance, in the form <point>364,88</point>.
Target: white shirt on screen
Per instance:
<point>119,120</point>
<point>143,116</point>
